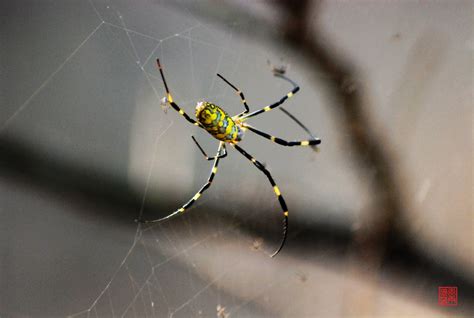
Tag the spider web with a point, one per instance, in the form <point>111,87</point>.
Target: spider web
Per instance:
<point>159,270</point>
<point>80,85</point>
<point>158,275</point>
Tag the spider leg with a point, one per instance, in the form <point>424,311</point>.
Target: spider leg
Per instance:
<point>311,142</point>
<point>169,99</point>
<point>198,194</point>
<point>219,155</point>
<point>296,120</point>
<point>295,89</point>
<point>262,168</point>
<point>239,92</point>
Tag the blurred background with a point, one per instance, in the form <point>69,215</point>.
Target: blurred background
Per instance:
<point>380,216</point>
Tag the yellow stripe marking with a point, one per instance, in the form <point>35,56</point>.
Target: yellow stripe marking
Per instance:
<point>170,98</point>
<point>197,196</point>
<point>290,94</point>
<point>277,191</point>
<point>214,170</point>
<point>229,128</point>
<point>285,213</point>
<point>253,160</point>
<point>266,108</point>
<point>272,138</point>
<point>244,101</point>
<point>305,143</point>
<point>181,112</point>
<point>181,210</point>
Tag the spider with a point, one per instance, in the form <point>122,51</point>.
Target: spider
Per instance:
<point>229,131</point>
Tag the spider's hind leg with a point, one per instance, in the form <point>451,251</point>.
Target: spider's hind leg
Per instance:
<point>206,186</point>
<point>169,99</point>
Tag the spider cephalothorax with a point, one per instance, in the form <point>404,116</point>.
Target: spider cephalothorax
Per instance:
<point>229,130</point>
<point>218,123</point>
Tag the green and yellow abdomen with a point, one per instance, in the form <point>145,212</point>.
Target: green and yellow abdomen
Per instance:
<point>218,123</point>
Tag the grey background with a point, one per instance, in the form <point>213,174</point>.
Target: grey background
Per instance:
<point>79,85</point>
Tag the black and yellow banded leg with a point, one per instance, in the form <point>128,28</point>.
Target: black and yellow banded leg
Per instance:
<point>169,99</point>
<point>262,168</point>
<point>296,120</point>
<point>219,155</point>
<point>295,89</point>
<point>239,92</point>
<point>311,142</point>
<point>198,194</point>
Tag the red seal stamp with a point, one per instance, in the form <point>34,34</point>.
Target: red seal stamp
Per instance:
<point>447,296</point>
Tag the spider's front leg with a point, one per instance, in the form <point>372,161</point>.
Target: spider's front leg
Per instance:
<point>280,72</point>
<point>282,202</point>
<point>311,142</point>
<point>295,90</point>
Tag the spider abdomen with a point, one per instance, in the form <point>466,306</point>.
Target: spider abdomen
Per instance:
<point>218,123</point>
